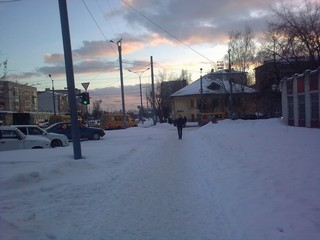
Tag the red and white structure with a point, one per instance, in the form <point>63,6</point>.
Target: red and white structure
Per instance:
<point>300,99</point>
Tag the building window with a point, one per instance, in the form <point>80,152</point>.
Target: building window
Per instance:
<point>289,87</point>
<point>290,108</point>
<point>300,85</point>
<point>302,107</point>
<point>313,82</point>
<point>192,103</point>
<point>314,106</point>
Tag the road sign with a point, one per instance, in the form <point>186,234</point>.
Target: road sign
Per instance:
<point>85,85</point>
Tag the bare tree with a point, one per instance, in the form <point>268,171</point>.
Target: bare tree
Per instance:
<point>242,49</point>
<point>164,87</point>
<point>241,55</point>
<point>162,76</point>
<point>96,106</point>
<point>293,34</point>
<point>5,69</point>
<point>185,76</point>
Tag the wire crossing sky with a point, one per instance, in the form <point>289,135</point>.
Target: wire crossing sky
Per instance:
<point>178,36</point>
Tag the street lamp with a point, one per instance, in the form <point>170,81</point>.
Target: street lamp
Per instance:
<point>139,74</point>
<point>118,43</point>
<point>201,92</point>
<point>230,83</point>
<point>53,97</point>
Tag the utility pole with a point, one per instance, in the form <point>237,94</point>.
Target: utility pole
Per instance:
<point>201,92</point>
<point>70,78</point>
<point>121,81</point>
<point>230,83</point>
<point>53,96</point>
<point>139,74</point>
<point>147,104</point>
<point>153,94</point>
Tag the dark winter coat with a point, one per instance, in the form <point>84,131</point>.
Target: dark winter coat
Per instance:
<point>179,122</point>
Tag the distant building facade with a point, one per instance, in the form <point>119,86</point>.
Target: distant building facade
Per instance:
<point>300,99</point>
<point>17,97</point>
<point>45,99</point>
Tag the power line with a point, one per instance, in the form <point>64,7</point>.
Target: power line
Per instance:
<point>172,35</point>
<point>98,25</point>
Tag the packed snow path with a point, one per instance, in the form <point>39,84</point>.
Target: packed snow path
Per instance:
<point>167,198</point>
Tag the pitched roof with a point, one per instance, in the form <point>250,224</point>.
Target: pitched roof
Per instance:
<point>212,84</point>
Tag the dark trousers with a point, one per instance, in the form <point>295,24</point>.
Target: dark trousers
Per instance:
<point>179,132</point>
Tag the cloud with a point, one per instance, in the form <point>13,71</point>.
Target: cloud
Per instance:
<point>93,50</point>
<point>22,76</point>
<point>210,19</point>
<point>91,66</point>
<point>111,97</point>
<point>159,23</point>
<point>57,70</point>
<point>54,58</point>
<point>88,51</point>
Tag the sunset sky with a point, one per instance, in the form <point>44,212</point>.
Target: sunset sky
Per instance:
<point>178,34</point>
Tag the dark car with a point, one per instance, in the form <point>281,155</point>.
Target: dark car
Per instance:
<point>253,116</point>
<point>85,132</point>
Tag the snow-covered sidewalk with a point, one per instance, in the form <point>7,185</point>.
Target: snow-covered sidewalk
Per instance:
<point>167,198</point>
<point>235,180</point>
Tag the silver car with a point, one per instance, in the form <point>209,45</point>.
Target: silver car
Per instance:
<point>12,138</point>
<point>57,140</point>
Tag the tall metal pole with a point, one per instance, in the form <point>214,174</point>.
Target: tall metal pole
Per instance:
<point>154,116</point>
<point>70,78</point>
<point>122,88</point>
<point>147,104</point>
<point>53,96</point>
<point>121,81</point>
<point>201,92</point>
<point>230,83</point>
<point>139,74</point>
<point>141,107</point>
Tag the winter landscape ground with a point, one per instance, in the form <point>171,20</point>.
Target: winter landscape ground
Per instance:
<point>235,180</point>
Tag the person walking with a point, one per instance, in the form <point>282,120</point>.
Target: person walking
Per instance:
<point>179,124</point>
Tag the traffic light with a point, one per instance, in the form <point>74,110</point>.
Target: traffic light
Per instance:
<point>85,98</point>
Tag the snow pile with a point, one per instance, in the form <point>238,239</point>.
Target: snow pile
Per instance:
<point>235,180</point>
<point>266,174</point>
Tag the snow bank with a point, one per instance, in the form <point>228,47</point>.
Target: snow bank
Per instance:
<point>254,179</point>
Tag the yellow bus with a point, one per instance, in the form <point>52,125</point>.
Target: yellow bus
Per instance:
<point>114,121</point>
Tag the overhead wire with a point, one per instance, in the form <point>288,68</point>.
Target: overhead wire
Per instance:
<point>163,29</point>
<point>104,36</point>
<point>98,25</point>
<point>166,31</point>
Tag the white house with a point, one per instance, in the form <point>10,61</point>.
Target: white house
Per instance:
<point>213,93</point>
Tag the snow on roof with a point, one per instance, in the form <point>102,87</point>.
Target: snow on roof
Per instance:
<point>212,84</point>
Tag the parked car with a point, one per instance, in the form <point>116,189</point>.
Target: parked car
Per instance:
<point>43,123</point>
<point>57,140</point>
<point>253,116</point>
<point>93,123</point>
<point>11,138</point>
<point>85,132</point>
